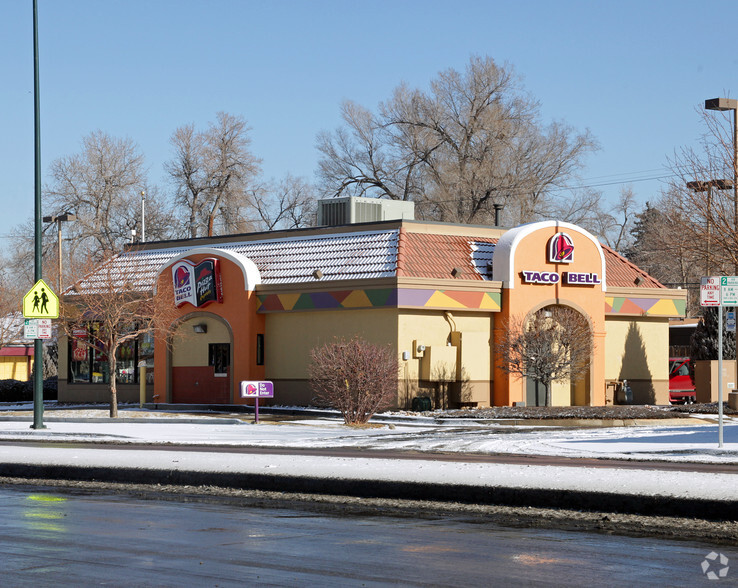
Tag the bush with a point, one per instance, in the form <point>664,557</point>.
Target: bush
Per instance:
<point>355,377</point>
<point>17,391</point>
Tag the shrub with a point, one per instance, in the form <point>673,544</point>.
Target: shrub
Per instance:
<point>355,377</point>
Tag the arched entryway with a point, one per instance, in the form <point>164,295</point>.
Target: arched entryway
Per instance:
<point>201,361</point>
<point>560,354</point>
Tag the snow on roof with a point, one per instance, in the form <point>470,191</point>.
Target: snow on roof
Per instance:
<point>351,255</point>
<point>342,256</point>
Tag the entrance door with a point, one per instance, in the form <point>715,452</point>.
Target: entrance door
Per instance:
<point>535,393</point>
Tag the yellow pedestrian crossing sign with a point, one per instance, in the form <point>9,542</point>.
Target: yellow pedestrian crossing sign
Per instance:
<point>41,302</point>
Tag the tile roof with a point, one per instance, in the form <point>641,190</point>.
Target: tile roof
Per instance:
<point>622,273</point>
<point>351,255</point>
<point>436,256</point>
<point>345,256</point>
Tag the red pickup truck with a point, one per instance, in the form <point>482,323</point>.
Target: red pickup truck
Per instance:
<point>681,386</point>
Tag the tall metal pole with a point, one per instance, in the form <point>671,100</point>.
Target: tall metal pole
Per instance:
<point>38,348</point>
<point>720,374</point>
<point>143,216</point>
<point>735,179</point>
<point>59,254</point>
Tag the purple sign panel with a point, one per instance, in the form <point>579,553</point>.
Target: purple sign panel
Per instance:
<point>257,389</point>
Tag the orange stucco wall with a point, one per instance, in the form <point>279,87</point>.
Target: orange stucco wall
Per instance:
<point>238,310</point>
<point>522,299</point>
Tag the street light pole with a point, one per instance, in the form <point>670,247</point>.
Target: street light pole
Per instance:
<point>707,186</point>
<point>730,104</point>
<point>143,216</point>
<point>67,216</point>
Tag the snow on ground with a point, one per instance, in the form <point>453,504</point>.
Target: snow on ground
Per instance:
<point>635,482</point>
<point>694,441</point>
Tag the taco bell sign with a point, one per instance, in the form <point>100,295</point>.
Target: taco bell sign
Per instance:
<point>257,389</point>
<point>199,284</point>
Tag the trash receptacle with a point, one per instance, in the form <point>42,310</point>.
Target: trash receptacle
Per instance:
<point>421,404</point>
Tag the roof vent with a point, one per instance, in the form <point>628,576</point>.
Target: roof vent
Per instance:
<point>353,209</point>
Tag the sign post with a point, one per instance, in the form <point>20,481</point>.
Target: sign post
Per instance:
<point>257,389</point>
<point>710,295</point>
<point>40,305</point>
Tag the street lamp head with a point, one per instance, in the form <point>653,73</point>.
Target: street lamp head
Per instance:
<point>704,186</point>
<point>721,104</point>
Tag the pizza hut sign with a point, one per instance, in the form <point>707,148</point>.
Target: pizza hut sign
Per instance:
<point>199,284</point>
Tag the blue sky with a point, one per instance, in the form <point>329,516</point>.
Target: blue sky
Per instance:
<point>633,72</point>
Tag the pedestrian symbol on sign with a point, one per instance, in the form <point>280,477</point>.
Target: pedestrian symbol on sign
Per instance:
<point>41,302</point>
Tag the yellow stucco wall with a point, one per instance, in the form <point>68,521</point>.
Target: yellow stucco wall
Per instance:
<point>14,368</point>
<point>430,328</point>
<point>291,335</point>
<point>637,350</point>
<point>191,350</point>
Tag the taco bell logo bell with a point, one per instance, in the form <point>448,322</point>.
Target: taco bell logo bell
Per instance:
<point>561,249</point>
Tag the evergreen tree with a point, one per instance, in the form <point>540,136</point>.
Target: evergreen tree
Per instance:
<point>704,341</point>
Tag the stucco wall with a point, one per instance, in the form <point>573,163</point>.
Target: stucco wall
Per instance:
<point>425,373</point>
<point>637,350</point>
<point>14,368</point>
<point>291,335</point>
<point>191,349</point>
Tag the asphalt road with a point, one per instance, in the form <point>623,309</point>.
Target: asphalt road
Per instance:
<point>64,539</point>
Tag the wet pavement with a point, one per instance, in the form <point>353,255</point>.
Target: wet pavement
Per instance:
<point>74,539</point>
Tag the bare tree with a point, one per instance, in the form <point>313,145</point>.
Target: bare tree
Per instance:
<point>11,317</point>
<point>356,377</point>
<point>664,245</point>
<point>102,185</point>
<point>700,195</point>
<point>554,344</point>
<point>212,172</point>
<point>287,204</point>
<point>473,141</point>
<point>614,225</point>
<point>112,311</point>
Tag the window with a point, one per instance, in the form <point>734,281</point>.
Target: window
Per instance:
<point>125,367</point>
<point>88,363</point>
<point>260,349</point>
<point>79,357</point>
<point>219,356</point>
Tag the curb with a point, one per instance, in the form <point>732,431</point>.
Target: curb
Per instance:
<point>667,506</point>
<point>135,420</point>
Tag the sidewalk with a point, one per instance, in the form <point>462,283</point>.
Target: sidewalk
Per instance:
<point>639,490</point>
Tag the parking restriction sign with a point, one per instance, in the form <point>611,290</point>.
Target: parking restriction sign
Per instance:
<point>729,291</point>
<point>710,291</point>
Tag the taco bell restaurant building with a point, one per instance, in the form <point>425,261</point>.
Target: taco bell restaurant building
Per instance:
<point>254,306</point>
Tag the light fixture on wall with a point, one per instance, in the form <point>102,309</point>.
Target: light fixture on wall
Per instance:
<point>203,328</point>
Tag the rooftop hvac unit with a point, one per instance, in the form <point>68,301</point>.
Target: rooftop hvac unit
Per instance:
<point>343,211</point>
